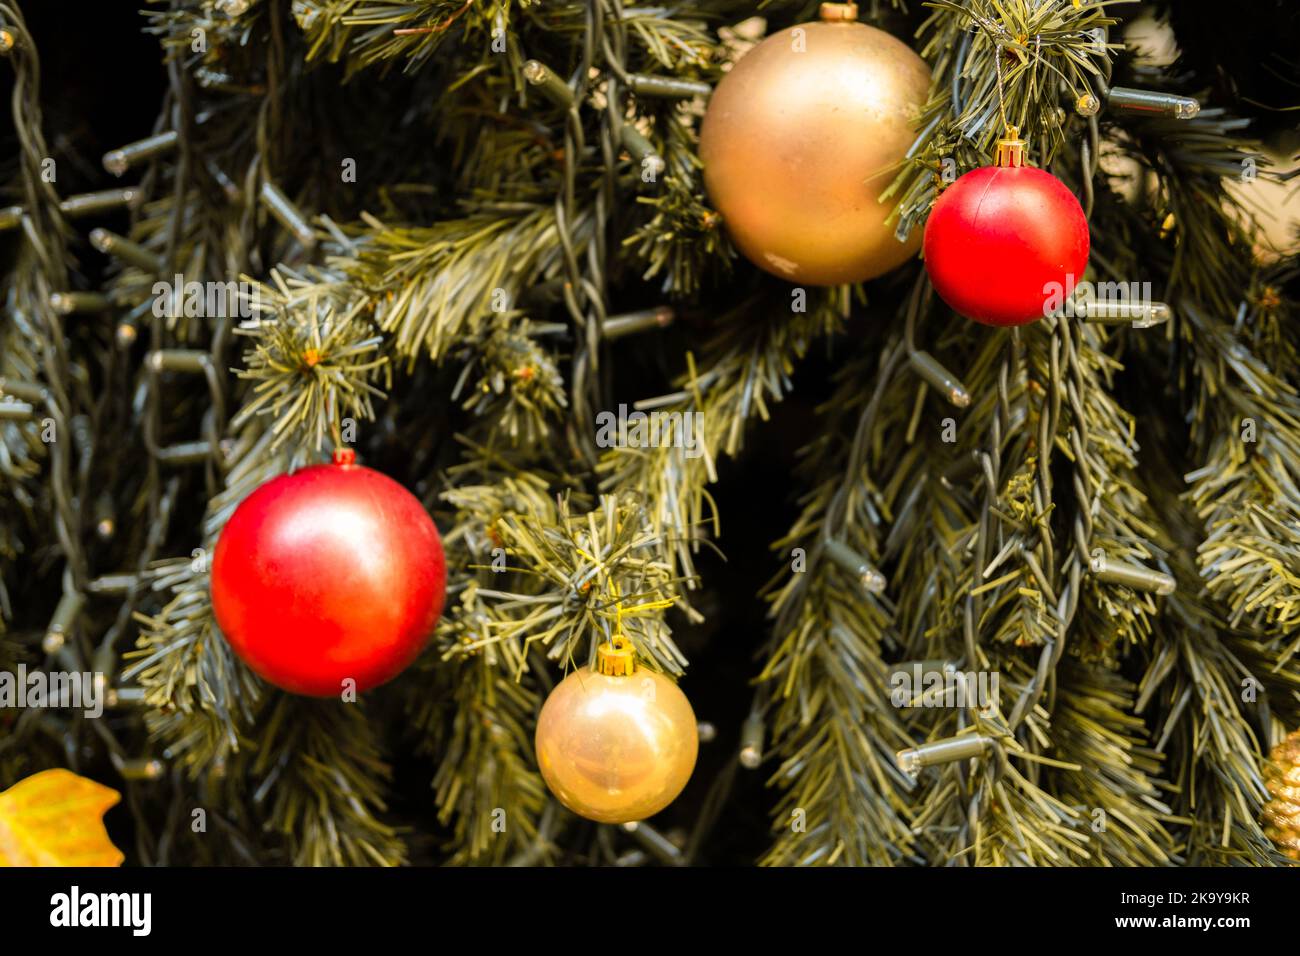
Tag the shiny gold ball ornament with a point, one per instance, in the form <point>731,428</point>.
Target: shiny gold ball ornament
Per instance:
<point>1282,813</point>
<point>616,744</point>
<point>800,139</point>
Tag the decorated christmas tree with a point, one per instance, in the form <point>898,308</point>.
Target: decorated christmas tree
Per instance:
<point>565,432</point>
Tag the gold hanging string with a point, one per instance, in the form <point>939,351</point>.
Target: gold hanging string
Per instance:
<point>1033,72</point>
<point>997,69</point>
<point>619,610</point>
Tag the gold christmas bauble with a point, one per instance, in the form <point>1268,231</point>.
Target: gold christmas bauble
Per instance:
<point>616,744</point>
<point>800,139</point>
<point>1282,813</point>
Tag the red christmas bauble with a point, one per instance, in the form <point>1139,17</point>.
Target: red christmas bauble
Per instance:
<point>330,573</point>
<point>1004,245</point>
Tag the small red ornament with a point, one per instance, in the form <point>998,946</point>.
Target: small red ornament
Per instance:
<point>330,573</point>
<point>1005,244</point>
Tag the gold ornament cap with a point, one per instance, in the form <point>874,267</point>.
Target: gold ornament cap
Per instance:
<point>1011,149</point>
<point>838,12</point>
<point>616,658</point>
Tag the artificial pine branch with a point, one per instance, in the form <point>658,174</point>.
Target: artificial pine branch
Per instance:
<point>843,799</point>
<point>318,779</point>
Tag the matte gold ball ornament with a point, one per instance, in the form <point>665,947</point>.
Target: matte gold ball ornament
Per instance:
<point>800,139</point>
<point>616,744</point>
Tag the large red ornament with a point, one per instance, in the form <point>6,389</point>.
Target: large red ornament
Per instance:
<point>331,573</point>
<point>1006,244</point>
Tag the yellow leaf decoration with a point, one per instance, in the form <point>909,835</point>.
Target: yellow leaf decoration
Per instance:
<point>56,818</point>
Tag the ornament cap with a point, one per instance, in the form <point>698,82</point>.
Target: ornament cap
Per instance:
<point>345,456</point>
<point>838,12</point>
<point>1011,149</point>
<point>617,658</point>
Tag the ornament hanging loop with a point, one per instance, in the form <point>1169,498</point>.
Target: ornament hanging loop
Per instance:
<point>997,72</point>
